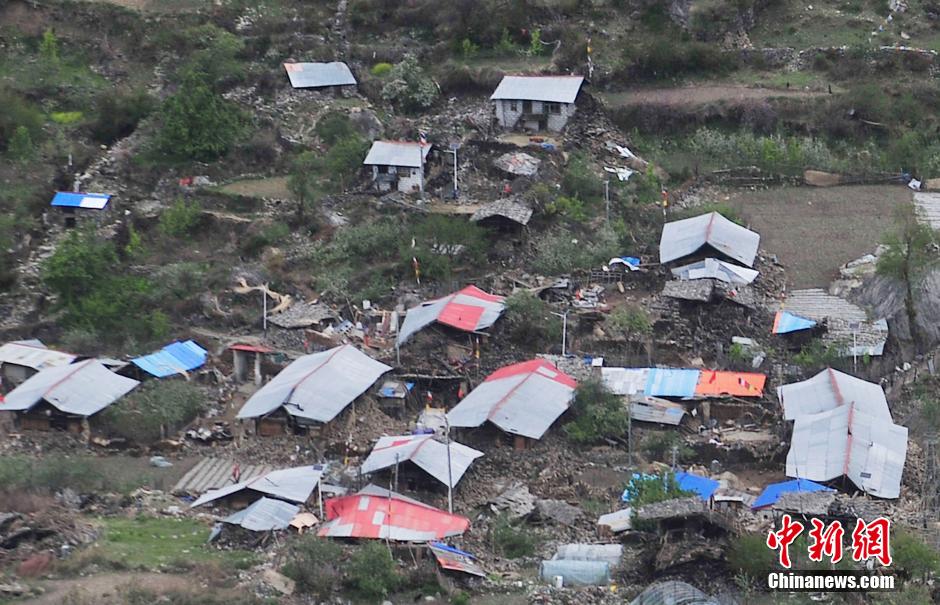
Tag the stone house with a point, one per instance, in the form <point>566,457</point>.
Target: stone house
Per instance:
<point>536,102</point>
<point>398,164</point>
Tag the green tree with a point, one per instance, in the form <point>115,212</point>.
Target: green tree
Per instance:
<point>631,320</point>
<point>78,265</point>
<point>150,412</point>
<point>530,323</point>
<point>343,161</point>
<point>599,414</point>
<point>21,146</point>
<point>409,87</point>
<point>911,252</point>
<point>313,565</point>
<point>303,182</point>
<point>180,219</point>
<point>912,557</point>
<point>334,126</point>
<point>372,571</point>
<point>439,242</point>
<point>198,124</point>
<point>216,59</point>
<point>49,48</point>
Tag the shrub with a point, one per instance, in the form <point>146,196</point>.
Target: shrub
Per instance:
<point>334,126</point>
<point>631,320</point>
<point>66,118</point>
<point>530,323</point>
<point>20,146</point>
<point>659,446</point>
<point>154,410</point>
<point>314,565</point>
<point>509,540</point>
<point>912,557</point>
<point>666,57</point>
<point>344,160</point>
<point>599,414</point>
<point>117,114</point>
<point>19,473</point>
<point>468,49</point>
<point>269,235</point>
<point>17,113</point>
<point>560,251</point>
<point>198,124</point>
<point>215,59</point>
<point>409,87</point>
<point>816,355</point>
<point>579,181</point>
<point>439,242</point>
<point>180,219</point>
<point>380,70</point>
<point>372,571</point>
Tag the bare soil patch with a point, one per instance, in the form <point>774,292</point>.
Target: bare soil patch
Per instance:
<point>99,587</point>
<point>698,95</point>
<point>813,231</point>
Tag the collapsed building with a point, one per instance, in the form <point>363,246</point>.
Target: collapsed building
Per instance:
<point>23,358</point>
<point>445,462</point>
<point>468,310</point>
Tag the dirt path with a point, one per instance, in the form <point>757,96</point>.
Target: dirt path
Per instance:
<point>98,587</point>
<point>699,95</point>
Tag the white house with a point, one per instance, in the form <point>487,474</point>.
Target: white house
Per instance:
<point>398,164</point>
<point>536,102</point>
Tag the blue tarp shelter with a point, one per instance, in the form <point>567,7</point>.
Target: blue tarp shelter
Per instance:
<point>703,486</point>
<point>772,492</point>
<point>786,322</point>
<point>93,201</point>
<point>175,358</point>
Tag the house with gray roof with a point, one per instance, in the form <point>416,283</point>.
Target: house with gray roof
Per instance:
<point>330,76</point>
<point>536,102</point>
<point>398,164</point>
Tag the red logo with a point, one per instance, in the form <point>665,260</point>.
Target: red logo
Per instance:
<point>870,540</point>
<point>789,531</point>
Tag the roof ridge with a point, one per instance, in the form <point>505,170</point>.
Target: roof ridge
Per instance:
<point>313,371</point>
<point>78,366</point>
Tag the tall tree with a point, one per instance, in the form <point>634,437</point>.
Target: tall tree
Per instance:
<point>303,180</point>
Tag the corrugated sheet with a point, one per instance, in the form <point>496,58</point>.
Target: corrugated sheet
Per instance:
<point>712,268</point>
<point>470,309</point>
<point>397,153</point>
<point>214,473</point>
<point>175,358</point>
<point>652,409</point>
<point>625,381</point>
<point>317,387</point>
<point>89,201</point>
<point>703,486</point>
<point>869,450</point>
<point>928,208</point>
<point>82,389</point>
<point>423,450</point>
<point>830,389</point>
<point>290,484</point>
<point>669,382</point>
<point>786,322</point>
<point>713,383</point>
<point>33,355</point>
<point>381,514</point>
<point>524,399</point>
<point>672,592</point>
<point>682,238</point>
<point>840,316</point>
<point>772,492</point>
<point>265,514</point>
<point>315,75</point>
<point>554,89</point>
<point>454,559</point>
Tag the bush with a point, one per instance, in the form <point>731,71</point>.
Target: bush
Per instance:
<point>579,181</point>
<point>314,565</point>
<point>198,124</point>
<point>19,473</point>
<point>912,557</point>
<point>269,235</point>
<point>17,113</point>
<point>215,59</point>
<point>643,490</point>
<point>560,251</point>
<point>180,219</point>
<point>530,323</point>
<point>509,541</point>
<point>666,57</point>
<point>372,571</point>
<point>334,126</point>
<point>154,410</point>
<point>659,447</point>
<point>380,70</point>
<point>409,87</point>
<point>344,160</point>
<point>20,147</point>
<point>599,414</point>
<point>630,320</point>
<point>117,114</point>
<point>439,242</point>
<point>817,355</point>
<point>749,556</point>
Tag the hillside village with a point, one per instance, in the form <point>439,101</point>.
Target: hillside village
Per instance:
<point>494,301</point>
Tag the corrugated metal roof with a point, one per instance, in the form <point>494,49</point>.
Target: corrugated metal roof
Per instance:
<point>315,75</point>
<point>869,450</point>
<point>265,514</point>
<point>397,153</point>
<point>703,486</point>
<point>90,201</point>
<point>672,592</point>
<point>712,268</point>
<point>290,484</point>
<point>651,409</point>
<point>786,322</point>
<point>670,382</point>
<point>214,473</point>
<point>33,355</point>
<point>381,514</point>
<point>772,492</point>
<point>713,383</point>
<point>682,238</point>
<point>524,399</point>
<point>423,450</point>
<point>317,387</point>
<point>470,309</point>
<point>840,316</point>
<point>454,559</point>
<point>175,358</point>
<point>830,389</point>
<point>625,381</point>
<point>554,89</point>
<point>82,389</point>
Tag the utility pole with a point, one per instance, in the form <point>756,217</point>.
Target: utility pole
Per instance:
<point>854,326</point>
<point>607,198</point>
<point>264,309</point>
<point>396,472</point>
<point>630,430</point>
<point>564,329</point>
<point>450,475</point>
<point>675,455</point>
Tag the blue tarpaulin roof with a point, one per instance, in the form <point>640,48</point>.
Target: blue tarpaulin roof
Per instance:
<point>786,322</point>
<point>772,492</point>
<point>703,486</point>
<point>94,201</point>
<point>175,358</point>
<point>668,382</point>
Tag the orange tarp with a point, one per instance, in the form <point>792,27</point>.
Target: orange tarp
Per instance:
<point>740,384</point>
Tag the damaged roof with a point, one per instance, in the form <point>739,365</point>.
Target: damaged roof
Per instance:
<point>470,310</point>
<point>378,513</point>
<point>289,484</point>
<point>652,409</point>
<point>303,315</point>
<point>523,398</point>
<point>427,453</point>
<point>82,389</point>
<point>712,268</point>
<point>512,210</point>
<point>397,153</point>
<point>317,387</point>
<point>553,89</point>
<point>316,75</point>
<point>454,559</point>
<point>175,358</point>
<point>33,354</point>
<point>786,322</point>
<point>213,473</point>
<point>684,237</point>
<point>830,389</point>
<point>89,201</point>
<point>846,322</point>
<point>846,440</point>
<point>265,514</point>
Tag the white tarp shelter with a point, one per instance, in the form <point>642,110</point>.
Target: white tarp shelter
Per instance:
<point>424,451</point>
<point>684,237</point>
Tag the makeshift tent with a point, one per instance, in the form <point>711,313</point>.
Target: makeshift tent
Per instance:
<point>265,514</point>
<point>786,322</point>
<point>523,398</point>
<point>703,486</point>
<point>772,492</point>
<point>88,201</point>
<point>175,358</point>
<point>684,237</point>
<point>80,389</point>
<point>712,268</point>
<point>830,389</point>
<point>425,452</point>
<point>289,484</point>
<point>469,310</point>
<point>378,513</point>
<point>316,388</point>
<point>576,573</point>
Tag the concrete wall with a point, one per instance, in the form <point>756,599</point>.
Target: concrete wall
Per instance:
<point>508,114</point>
<point>409,179</point>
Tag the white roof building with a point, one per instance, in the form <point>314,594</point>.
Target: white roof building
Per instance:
<point>685,237</point>
<point>318,75</point>
<point>552,89</point>
<point>80,389</point>
<point>830,389</point>
<point>425,452</point>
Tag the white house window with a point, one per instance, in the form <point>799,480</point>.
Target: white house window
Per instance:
<point>553,107</point>
<point>513,106</point>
